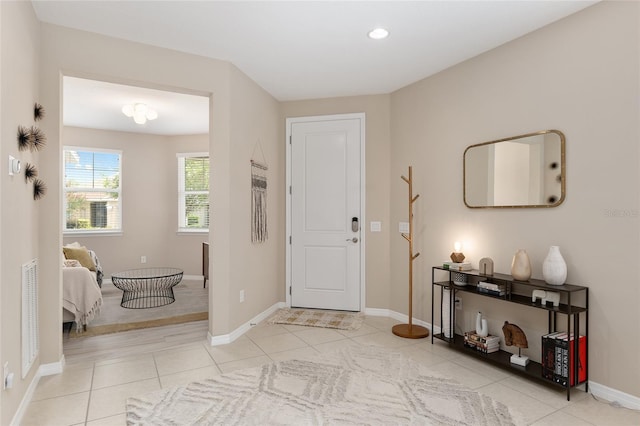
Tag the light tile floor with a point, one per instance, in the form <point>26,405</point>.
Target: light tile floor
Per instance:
<point>102,372</point>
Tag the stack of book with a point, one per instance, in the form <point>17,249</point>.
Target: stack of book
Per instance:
<point>491,288</point>
<point>487,345</point>
<point>453,266</point>
<point>558,359</point>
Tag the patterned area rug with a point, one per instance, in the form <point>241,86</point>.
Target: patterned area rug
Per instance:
<point>318,318</point>
<point>191,304</point>
<point>355,385</point>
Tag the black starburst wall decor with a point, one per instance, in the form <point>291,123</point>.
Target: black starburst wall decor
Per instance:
<point>38,112</point>
<point>39,189</point>
<point>24,138</point>
<point>38,139</point>
<point>30,172</point>
<point>33,139</point>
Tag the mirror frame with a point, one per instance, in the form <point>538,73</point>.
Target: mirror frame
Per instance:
<point>562,171</point>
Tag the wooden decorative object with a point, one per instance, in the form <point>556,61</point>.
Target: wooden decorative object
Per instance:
<point>409,330</point>
<point>457,257</point>
<point>514,336</point>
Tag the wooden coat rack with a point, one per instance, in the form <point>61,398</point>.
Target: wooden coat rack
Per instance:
<point>409,330</point>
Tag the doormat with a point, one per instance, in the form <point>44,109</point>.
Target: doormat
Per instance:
<point>318,318</point>
<point>117,328</point>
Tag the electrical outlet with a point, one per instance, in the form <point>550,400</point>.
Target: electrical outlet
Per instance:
<point>241,296</point>
<point>458,303</point>
<point>143,259</point>
<point>403,227</point>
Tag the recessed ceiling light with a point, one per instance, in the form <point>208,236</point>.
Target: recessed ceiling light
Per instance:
<point>378,33</point>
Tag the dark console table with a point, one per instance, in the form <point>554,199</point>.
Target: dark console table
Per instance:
<point>574,304</point>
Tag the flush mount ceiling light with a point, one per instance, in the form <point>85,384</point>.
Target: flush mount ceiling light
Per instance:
<point>140,112</point>
<point>378,33</point>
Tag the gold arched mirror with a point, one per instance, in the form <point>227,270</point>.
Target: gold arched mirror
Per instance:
<point>520,171</point>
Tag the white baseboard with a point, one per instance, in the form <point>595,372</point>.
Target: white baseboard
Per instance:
<point>193,277</point>
<point>52,368</point>
<point>43,370</point>
<point>614,395</point>
<point>223,339</point>
<point>377,312</point>
<point>598,390</point>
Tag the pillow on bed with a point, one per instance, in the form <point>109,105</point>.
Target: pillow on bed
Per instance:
<point>81,255</point>
<point>75,244</point>
<point>71,263</point>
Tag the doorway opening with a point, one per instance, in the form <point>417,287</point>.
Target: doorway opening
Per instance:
<point>135,196</point>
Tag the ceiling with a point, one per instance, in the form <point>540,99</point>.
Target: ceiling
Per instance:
<point>98,105</point>
<point>317,49</point>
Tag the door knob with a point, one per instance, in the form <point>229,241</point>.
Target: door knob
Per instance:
<point>353,240</point>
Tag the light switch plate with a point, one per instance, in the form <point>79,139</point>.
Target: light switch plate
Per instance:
<point>403,227</point>
<point>14,166</point>
<point>5,374</point>
<point>376,226</point>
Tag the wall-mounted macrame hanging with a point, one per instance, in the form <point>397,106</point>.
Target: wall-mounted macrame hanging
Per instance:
<point>259,233</point>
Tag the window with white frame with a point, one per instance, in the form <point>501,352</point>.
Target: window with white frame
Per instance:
<point>193,192</point>
<point>92,190</point>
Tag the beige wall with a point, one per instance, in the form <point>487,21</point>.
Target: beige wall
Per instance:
<point>378,181</point>
<point>258,269</point>
<point>579,75</point>
<point>20,51</point>
<point>567,76</point>
<point>82,54</point>
<point>70,52</point>
<point>2,62</point>
<point>149,199</point>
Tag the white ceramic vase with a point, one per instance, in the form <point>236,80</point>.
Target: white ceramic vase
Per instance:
<point>554,268</point>
<point>482,329</point>
<point>521,266</point>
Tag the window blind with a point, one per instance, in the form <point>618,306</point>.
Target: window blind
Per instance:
<point>193,189</point>
<point>92,190</point>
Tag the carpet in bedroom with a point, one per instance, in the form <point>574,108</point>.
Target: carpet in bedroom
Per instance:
<point>191,304</point>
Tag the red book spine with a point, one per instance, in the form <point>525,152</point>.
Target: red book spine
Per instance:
<point>582,360</point>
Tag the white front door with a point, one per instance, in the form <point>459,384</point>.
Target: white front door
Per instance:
<point>325,216</point>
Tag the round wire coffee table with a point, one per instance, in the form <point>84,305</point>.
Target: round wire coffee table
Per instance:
<point>147,287</point>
